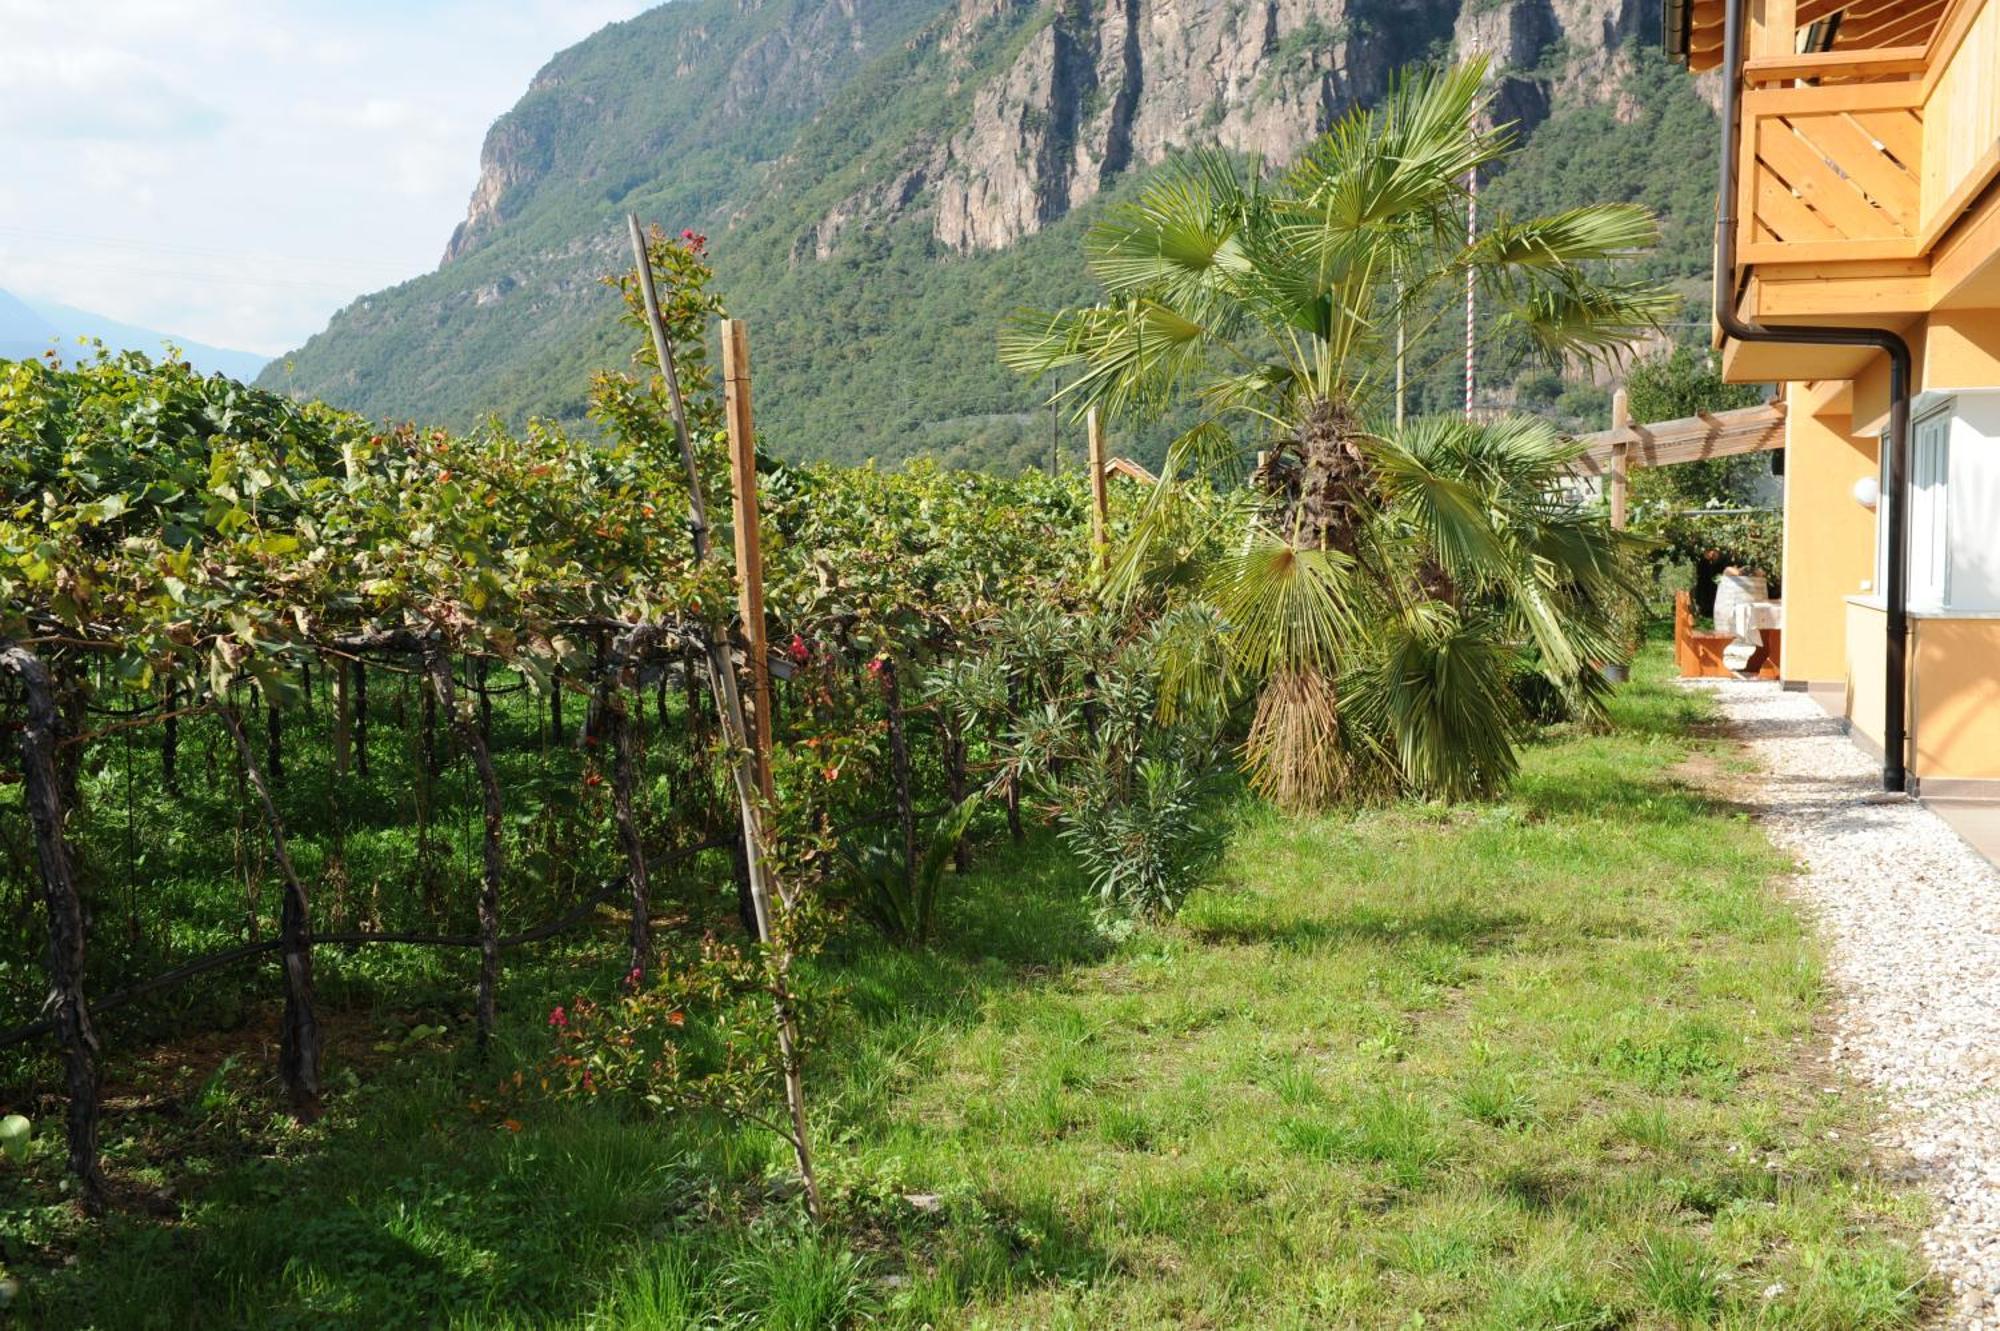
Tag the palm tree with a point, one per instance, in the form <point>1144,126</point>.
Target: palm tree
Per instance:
<point>1382,587</point>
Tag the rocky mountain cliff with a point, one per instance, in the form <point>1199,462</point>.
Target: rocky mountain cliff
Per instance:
<point>890,177</point>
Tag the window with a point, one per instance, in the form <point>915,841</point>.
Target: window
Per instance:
<point>1930,512</point>
<point>1930,468</point>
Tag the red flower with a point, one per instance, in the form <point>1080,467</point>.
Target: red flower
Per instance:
<point>634,976</point>
<point>876,666</point>
<point>557,1017</point>
<point>800,652</point>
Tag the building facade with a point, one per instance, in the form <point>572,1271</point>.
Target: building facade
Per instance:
<point>1861,159</point>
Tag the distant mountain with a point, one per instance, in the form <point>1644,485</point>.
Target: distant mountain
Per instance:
<point>885,181</point>
<point>22,331</point>
<point>29,328</point>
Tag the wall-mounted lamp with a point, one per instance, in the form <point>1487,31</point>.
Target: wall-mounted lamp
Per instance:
<point>1868,493</point>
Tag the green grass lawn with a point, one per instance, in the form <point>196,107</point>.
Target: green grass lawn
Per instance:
<point>1546,1063</point>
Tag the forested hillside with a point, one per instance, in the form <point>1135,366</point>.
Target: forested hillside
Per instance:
<point>884,181</point>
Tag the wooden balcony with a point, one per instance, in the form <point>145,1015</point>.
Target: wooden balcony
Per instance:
<point>1870,154</point>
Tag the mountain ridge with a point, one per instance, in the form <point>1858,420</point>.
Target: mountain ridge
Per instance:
<point>886,180</point>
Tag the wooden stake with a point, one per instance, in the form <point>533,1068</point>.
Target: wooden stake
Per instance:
<point>729,710</point>
<point>1621,419</point>
<point>1100,507</point>
<point>749,543</point>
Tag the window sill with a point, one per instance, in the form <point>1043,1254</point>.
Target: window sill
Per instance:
<point>1923,612</point>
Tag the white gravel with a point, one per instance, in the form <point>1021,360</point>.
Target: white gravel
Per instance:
<point>1911,915</point>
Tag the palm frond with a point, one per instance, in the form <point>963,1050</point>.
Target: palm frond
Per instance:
<point>1576,316</point>
<point>1287,607</point>
<point>1440,693</point>
<point>1403,162</point>
<point>1128,356</point>
<point>1449,514</point>
<point>1578,235</point>
<point>1182,231</point>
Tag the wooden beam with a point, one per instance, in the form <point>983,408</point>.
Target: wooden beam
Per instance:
<point>1881,62</point>
<point>1130,470</point>
<point>1691,439</point>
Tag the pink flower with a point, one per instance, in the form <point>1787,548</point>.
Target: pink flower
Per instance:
<point>633,976</point>
<point>876,666</point>
<point>557,1017</point>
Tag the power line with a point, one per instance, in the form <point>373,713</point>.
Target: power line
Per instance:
<point>213,278</point>
<point>154,247</point>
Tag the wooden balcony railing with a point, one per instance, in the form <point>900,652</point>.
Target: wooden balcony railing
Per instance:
<point>1869,154</point>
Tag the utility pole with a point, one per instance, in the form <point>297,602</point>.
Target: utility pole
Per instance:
<point>1399,355</point>
<point>1471,297</point>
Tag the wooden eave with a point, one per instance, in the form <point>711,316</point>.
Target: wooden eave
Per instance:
<point>1694,27</point>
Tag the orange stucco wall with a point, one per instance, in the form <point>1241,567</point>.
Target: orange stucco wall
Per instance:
<point>1956,698</point>
<point>1954,706</point>
<point>1866,670</point>
<point>1829,538</point>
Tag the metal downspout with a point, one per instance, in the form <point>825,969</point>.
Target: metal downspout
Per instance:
<point>1895,461</point>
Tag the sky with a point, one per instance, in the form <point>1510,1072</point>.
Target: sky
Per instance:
<point>234,171</point>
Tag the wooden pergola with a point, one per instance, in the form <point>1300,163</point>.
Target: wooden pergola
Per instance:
<point>1614,452</point>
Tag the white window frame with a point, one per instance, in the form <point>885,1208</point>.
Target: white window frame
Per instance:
<point>1929,549</point>
<point>1930,508</point>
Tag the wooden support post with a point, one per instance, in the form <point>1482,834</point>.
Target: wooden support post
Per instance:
<point>360,672</point>
<point>299,1036</point>
<point>1100,508</point>
<point>40,735</point>
<point>1774,27</point>
<point>343,718</point>
<point>437,665</point>
<point>1621,419</point>
<point>749,546</point>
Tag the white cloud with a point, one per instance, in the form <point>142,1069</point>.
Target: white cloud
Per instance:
<point>235,170</point>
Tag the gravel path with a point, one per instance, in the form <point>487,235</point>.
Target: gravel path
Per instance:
<point>1912,918</point>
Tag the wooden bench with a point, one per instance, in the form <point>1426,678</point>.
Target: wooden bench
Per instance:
<point>1698,652</point>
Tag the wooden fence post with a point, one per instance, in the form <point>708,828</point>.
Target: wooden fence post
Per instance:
<point>1100,507</point>
<point>1621,419</point>
<point>749,544</point>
